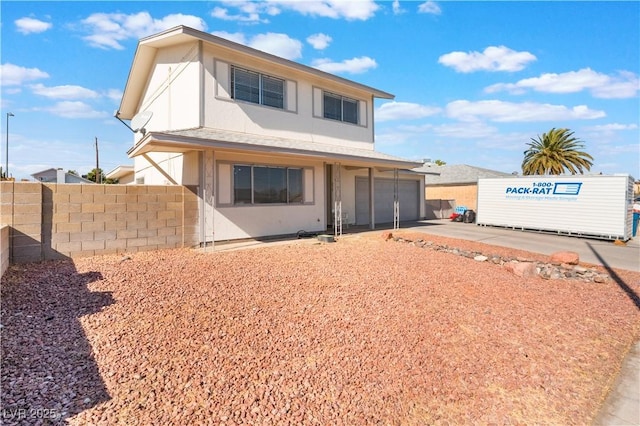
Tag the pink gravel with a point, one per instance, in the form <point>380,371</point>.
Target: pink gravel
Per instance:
<point>362,331</point>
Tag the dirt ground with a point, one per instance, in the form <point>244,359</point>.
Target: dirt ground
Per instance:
<point>361,331</point>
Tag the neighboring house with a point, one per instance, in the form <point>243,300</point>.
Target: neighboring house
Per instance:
<point>271,146</point>
<point>449,186</point>
<point>59,176</point>
<point>123,174</point>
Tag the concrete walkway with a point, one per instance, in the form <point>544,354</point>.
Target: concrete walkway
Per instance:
<point>622,407</point>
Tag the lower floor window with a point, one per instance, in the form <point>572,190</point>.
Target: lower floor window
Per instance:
<point>267,185</point>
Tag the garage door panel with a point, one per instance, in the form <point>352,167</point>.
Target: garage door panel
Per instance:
<point>408,193</point>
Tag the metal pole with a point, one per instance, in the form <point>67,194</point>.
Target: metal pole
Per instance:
<point>6,159</point>
<point>98,174</point>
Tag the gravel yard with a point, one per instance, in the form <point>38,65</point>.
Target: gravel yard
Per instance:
<point>362,331</point>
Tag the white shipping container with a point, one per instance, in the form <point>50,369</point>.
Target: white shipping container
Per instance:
<point>591,206</point>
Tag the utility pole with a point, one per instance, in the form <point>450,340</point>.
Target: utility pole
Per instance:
<point>6,167</point>
<point>98,175</point>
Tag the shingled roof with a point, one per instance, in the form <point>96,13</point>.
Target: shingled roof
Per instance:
<point>456,174</point>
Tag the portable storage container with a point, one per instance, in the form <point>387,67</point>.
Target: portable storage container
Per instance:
<point>596,206</point>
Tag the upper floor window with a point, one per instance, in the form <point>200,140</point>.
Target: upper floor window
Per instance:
<point>251,86</point>
<point>338,107</point>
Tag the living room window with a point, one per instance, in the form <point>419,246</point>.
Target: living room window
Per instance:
<point>267,185</point>
<point>340,108</point>
<point>257,88</point>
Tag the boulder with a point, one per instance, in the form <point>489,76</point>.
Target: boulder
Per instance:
<point>566,257</point>
<point>522,269</point>
<point>387,235</point>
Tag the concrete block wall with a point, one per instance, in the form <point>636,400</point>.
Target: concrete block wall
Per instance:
<point>4,249</point>
<point>52,221</point>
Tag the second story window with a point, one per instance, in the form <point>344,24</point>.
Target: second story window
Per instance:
<point>257,88</point>
<point>338,107</point>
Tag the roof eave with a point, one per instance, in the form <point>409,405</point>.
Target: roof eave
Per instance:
<point>175,143</point>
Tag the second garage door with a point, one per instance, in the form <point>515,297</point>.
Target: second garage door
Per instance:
<point>409,196</point>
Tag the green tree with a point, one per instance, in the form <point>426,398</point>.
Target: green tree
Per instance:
<point>440,162</point>
<point>93,174</point>
<point>73,172</point>
<point>554,153</point>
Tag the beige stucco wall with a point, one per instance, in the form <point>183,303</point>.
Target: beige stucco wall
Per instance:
<point>250,221</point>
<point>180,96</point>
<point>50,221</point>
<point>464,195</point>
<point>299,121</point>
<point>173,92</point>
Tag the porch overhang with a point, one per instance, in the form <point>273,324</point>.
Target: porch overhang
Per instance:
<point>202,139</point>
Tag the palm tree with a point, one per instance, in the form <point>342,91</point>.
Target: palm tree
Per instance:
<point>555,152</point>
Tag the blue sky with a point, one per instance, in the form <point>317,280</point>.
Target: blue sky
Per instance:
<point>474,81</point>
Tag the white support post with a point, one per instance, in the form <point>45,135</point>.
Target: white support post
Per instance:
<point>372,199</point>
<point>396,200</point>
<point>337,201</point>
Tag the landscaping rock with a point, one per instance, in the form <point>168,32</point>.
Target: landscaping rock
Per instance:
<point>387,235</point>
<point>566,257</point>
<point>522,269</point>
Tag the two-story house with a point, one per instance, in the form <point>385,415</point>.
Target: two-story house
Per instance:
<point>272,146</point>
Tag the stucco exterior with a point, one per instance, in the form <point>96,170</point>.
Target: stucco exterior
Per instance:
<point>198,131</point>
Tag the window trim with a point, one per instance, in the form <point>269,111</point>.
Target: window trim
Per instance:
<point>342,100</point>
<point>253,203</point>
<point>261,88</point>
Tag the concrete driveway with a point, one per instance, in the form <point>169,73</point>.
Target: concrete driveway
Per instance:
<point>601,252</point>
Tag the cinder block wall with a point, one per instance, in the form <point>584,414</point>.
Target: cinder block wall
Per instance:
<point>4,249</point>
<point>52,221</point>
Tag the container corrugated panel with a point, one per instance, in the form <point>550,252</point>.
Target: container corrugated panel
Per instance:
<point>596,206</point>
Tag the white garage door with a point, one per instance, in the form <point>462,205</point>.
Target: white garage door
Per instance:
<point>409,196</point>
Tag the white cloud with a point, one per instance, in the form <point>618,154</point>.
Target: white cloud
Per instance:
<point>404,111</point>
<point>108,30</point>
<point>14,75</point>
<point>350,66</point>
<point>235,37</point>
<point>500,111</point>
<point>250,11</point>
<point>114,94</point>
<point>319,41</point>
<point>31,26</point>
<point>430,7</point>
<point>64,92</point>
<point>624,85</point>
<point>74,109</point>
<point>223,14</point>
<point>350,10</point>
<point>474,130</point>
<point>493,58</point>
<point>612,127</point>
<point>277,44</point>
<point>397,9</point>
